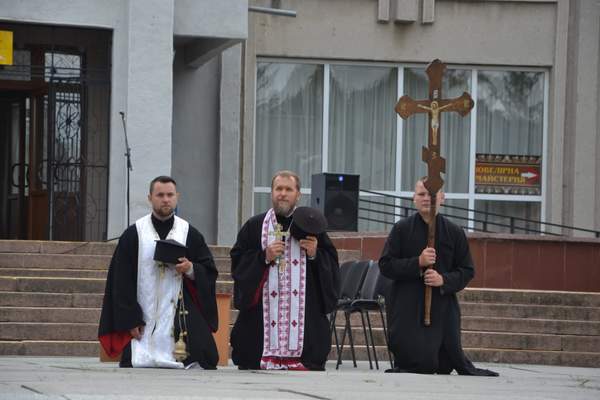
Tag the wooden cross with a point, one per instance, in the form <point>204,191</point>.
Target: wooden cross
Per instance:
<point>436,164</point>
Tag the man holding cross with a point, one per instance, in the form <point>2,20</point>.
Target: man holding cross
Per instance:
<point>284,286</point>
<point>428,258</point>
<point>416,347</point>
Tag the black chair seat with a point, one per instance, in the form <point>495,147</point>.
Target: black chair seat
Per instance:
<point>366,304</point>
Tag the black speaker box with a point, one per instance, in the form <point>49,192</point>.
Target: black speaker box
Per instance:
<point>336,196</point>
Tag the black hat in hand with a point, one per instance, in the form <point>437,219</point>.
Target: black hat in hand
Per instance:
<point>169,251</point>
<point>307,221</point>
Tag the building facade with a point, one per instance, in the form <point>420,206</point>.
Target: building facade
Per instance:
<point>220,98</point>
<point>321,91</point>
<point>83,74</point>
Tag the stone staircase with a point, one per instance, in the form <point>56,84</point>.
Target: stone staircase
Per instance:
<point>51,294</point>
<point>513,326</point>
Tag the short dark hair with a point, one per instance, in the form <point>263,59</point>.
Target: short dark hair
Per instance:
<point>162,179</point>
<point>286,174</point>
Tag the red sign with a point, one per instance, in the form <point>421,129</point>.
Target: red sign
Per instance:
<point>506,174</point>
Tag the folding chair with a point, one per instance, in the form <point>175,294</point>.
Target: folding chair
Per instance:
<point>372,298</point>
<point>352,276</point>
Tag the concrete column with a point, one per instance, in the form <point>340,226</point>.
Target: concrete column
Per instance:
<point>229,189</point>
<point>584,138</point>
<point>248,94</point>
<point>150,91</point>
<point>117,176</point>
<point>556,126</point>
<point>196,142</point>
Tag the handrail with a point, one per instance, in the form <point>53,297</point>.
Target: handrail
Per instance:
<point>462,226</point>
<point>484,222</point>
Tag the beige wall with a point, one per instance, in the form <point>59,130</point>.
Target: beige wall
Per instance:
<point>463,32</point>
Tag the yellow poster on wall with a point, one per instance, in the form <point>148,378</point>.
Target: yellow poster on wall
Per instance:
<point>6,48</point>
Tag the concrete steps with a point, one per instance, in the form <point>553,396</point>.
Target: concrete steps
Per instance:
<point>51,294</point>
<point>73,273</point>
<point>509,356</point>
<point>580,359</point>
<point>33,299</point>
<point>521,341</point>
<point>502,340</point>
<point>51,284</point>
<point>62,261</point>
<point>50,314</point>
<point>42,331</point>
<point>60,348</point>
<point>56,247</point>
<point>555,327</point>
<point>69,285</point>
<point>53,272</point>
<point>535,311</point>
<point>28,263</point>
<point>531,297</point>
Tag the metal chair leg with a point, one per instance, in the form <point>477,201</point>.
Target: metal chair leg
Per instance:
<point>349,327</point>
<point>341,348</point>
<point>332,329</point>
<point>362,318</point>
<point>385,334</point>
<point>372,340</point>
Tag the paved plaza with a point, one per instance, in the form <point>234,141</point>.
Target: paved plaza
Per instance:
<point>88,379</point>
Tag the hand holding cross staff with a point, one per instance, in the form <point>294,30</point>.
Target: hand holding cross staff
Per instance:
<point>430,276</point>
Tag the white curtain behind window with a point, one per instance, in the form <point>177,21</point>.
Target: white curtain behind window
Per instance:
<point>362,124</point>
<point>510,112</point>
<point>289,114</point>
<point>454,129</point>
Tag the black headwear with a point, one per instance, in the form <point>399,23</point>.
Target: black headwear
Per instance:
<point>307,221</point>
<point>169,251</point>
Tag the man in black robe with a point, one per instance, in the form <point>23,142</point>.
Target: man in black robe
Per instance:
<point>140,311</point>
<point>256,264</point>
<point>417,348</point>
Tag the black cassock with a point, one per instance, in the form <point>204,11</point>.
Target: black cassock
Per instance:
<point>249,272</point>
<point>437,348</point>
<point>121,311</point>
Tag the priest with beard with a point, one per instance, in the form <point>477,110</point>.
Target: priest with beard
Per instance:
<point>284,287</point>
<point>436,348</point>
<point>148,306</point>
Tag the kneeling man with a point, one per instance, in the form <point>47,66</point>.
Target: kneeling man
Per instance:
<point>417,348</point>
<point>284,289</point>
<point>148,305</point>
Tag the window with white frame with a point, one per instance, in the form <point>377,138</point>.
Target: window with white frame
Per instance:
<point>339,117</point>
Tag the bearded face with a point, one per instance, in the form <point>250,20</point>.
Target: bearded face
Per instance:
<point>284,195</point>
<point>163,199</point>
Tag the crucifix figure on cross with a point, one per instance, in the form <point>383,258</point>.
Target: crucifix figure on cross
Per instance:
<point>280,235</point>
<point>436,164</point>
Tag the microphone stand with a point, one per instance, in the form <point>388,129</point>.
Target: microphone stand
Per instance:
<point>128,156</point>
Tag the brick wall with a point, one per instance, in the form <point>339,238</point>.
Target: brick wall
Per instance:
<point>512,261</point>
